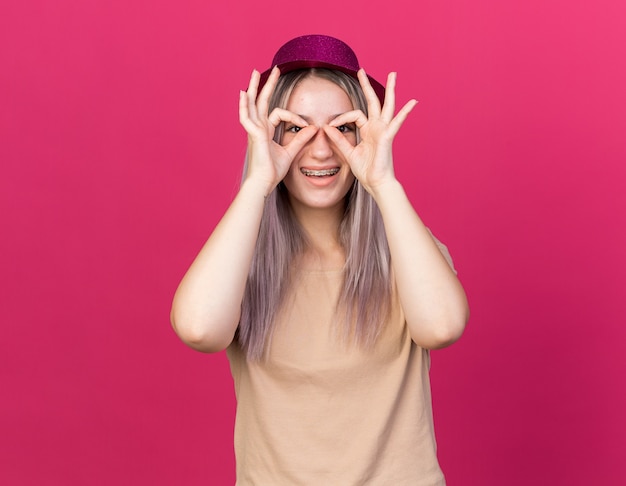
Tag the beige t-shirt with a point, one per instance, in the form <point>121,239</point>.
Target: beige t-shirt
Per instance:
<point>320,413</point>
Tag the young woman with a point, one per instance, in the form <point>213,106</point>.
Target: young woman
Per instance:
<point>323,284</point>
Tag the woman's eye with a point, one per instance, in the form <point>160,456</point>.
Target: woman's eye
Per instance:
<point>293,129</point>
<point>344,128</point>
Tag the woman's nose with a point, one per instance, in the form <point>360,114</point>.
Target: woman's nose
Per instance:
<point>321,146</point>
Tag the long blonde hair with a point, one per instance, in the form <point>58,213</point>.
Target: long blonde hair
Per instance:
<point>364,301</point>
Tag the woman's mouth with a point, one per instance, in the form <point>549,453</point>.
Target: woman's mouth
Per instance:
<point>319,173</point>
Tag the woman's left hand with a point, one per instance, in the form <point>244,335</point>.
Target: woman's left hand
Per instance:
<point>371,159</point>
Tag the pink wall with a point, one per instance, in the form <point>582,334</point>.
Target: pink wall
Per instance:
<point>120,148</point>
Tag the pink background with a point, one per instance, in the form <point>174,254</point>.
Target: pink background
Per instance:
<point>120,149</point>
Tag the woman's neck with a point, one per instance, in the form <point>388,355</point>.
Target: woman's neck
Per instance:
<point>321,227</point>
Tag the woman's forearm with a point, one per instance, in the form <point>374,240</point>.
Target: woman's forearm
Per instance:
<point>432,297</point>
<point>207,304</point>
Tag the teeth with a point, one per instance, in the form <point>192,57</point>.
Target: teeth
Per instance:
<point>320,173</point>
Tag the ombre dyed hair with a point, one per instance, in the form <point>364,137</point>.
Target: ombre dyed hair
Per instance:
<point>365,299</point>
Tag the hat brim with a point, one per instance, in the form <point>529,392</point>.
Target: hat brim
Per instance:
<point>379,89</point>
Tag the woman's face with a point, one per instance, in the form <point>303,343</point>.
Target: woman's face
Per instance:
<point>319,176</point>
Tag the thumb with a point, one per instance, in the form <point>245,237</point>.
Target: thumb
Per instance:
<point>339,140</point>
<point>300,140</point>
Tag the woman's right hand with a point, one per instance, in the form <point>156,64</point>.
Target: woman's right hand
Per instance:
<point>268,161</point>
